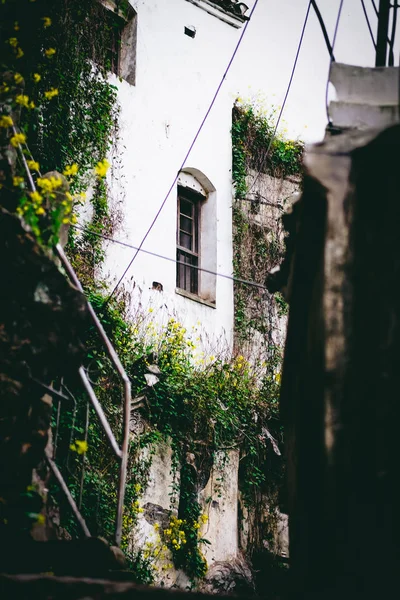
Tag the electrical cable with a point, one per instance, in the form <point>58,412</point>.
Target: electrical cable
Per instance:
<point>395,6</point>
<point>368,23</point>
<point>178,262</point>
<point>324,31</point>
<point>330,62</point>
<point>187,153</point>
<point>285,98</point>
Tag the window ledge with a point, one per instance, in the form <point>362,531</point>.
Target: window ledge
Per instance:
<point>194,297</point>
<point>217,11</point>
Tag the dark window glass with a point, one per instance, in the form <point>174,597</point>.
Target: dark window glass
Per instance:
<point>187,275</point>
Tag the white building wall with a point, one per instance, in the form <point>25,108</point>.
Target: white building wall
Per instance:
<point>176,78</point>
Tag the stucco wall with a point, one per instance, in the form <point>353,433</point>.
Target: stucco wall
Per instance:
<point>176,77</point>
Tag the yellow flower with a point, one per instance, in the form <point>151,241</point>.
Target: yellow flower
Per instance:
<point>204,518</point>
<point>33,165</point>
<point>6,121</point>
<point>196,526</point>
<point>18,138</point>
<point>51,93</point>
<point>156,526</point>
<point>102,167</point>
<point>18,78</point>
<point>18,180</point>
<point>22,100</point>
<point>46,21</point>
<point>36,77</point>
<point>40,211</point>
<point>65,221</point>
<point>80,446</point>
<point>40,519</point>
<point>19,53</point>
<point>140,510</point>
<point>36,197</point>
<point>70,170</point>
<point>74,219</point>
<point>31,104</point>
<point>13,42</point>
<point>16,26</point>
<point>49,184</point>
<point>50,52</point>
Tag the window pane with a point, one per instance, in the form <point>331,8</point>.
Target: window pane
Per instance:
<point>186,207</point>
<point>186,224</point>
<point>187,276</point>
<point>185,240</point>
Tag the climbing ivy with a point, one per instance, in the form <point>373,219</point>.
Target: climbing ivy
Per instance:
<point>256,150</point>
<point>56,63</point>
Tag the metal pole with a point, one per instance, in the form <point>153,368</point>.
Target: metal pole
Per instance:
<point>382,35</point>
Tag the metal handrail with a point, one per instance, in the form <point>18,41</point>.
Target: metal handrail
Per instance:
<point>120,452</point>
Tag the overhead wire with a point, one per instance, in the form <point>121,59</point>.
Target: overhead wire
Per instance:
<point>168,258</point>
<point>285,98</point>
<point>187,153</point>
<point>323,28</point>
<point>368,23</point>
<point>395,6</point>
<point>330,62</point>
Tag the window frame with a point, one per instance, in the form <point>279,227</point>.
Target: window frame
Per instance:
<point>193,253</point>
<point>123,37</point>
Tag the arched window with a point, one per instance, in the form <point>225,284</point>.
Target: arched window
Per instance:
<point>196,237</point>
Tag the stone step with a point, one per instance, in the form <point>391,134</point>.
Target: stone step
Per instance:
<point>377,86</point>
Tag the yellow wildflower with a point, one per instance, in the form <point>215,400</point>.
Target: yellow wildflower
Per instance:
<point>33,165</point>
<point>18,78</point>
<point>140,510</point>
<point>40,519</point>
<point>51,93</point>
<point>16,26</point>
<point>65,221</point>
<point>19,53</point>
<point>204,518</point>
<point>196,526</point>
<point>18,138</point>
<point>36,197</point>
<point>74,219</point>
<point>70,170</point>
<point>31,104</point>
<point>36,77</point>
<point>50,52</point>
<point>22,99</point>
<point>18,180</point>
<point>6,121</point>
<point>46,21</point>
<point>49,184</point>
<point>156,526</point>
<point>4,88</point>
<point>13,42</point>
<point>102,167</point>
<point>40,211</point>
<point>80,446</point>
